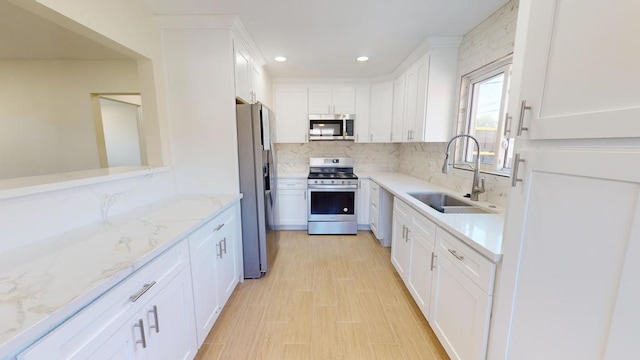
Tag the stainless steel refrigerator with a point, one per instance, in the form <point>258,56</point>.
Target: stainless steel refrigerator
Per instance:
<point>258,186</point>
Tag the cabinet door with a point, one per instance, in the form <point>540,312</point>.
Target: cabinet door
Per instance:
<point>205,287</point>
<point>363,201</point>
<point>420,122</point>
<point>320,100</point>
<point>397,130</point>
<point>363,115</point>
<point>381,114</point>
<point>422,249</point>
<point>411,103</point>
<point>256,82</point>
<point>578,86</point>
<point>460,312</point>
<point>401,240</point>
<point>343,100</point>
<point>227,267</point>
<point>242,72</point>
<point>292,117</point>
<point>585,248</point>
<point>292,207</point>
<point>169,319</point>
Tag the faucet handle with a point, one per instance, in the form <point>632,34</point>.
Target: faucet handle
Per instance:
<point>481,189</point>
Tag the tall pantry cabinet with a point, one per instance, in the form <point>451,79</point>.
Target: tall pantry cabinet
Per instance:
<point>569,284</point>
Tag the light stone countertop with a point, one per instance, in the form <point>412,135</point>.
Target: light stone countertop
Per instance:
<point>43,284</point>
<point>482,232</point>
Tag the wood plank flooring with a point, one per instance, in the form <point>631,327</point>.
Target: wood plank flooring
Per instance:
<point>325,297</point>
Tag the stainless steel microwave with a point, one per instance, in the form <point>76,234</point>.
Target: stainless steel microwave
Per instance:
<point>332,127</point>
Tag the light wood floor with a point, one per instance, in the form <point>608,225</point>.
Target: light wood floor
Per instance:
<point>325,297</point>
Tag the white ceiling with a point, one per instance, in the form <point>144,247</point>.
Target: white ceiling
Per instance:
<point>322,38</point>
<point>24,35</point>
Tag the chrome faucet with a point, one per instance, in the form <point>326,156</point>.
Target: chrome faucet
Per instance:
<point>477,187</point>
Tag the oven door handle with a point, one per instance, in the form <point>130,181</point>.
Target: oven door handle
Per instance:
<point>332,187</point>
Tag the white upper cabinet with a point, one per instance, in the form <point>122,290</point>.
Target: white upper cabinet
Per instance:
<point>424,96</point>
<point>363,117</point>
<point>397,128</point>
<point>381,113</point>
<point>248,74</point>
<point>292,118</point>
<point>580,76</point>
<point>332,100</point>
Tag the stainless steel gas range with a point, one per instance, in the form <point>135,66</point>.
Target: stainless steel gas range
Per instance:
<point>331,201</point>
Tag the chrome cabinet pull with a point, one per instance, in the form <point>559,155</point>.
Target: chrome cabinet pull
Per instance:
<point>219,249</point>
<point>523,107</point>
<point>218,227</point>
<point>516,168</point>
<point>433,257</point>
<point>224,241</point>
<point>145,288</point>
<point>142,340</point>
<point>455,253</point>
<point>155,318</point>
<point>507,125</point>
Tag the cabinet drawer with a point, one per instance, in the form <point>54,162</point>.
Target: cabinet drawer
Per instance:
<point>83,333</point>
<point>199,238</point>
<point>292,184</point>
<point>476,267</point>
<point>375,194</point>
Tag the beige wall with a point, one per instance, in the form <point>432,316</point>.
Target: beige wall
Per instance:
<point>46,114</point>
<point>128,27</point>
<point>490,40</point>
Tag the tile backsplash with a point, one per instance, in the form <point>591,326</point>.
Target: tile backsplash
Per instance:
<point>294,158</point>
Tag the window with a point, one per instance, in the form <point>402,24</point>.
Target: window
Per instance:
<point>483,99</point>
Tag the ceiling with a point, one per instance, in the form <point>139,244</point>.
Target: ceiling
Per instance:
<point>24,35</point>
<point>322,38</point>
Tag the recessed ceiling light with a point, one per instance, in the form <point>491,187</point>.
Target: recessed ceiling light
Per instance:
<point>362,58</point>
<point>280,58</point>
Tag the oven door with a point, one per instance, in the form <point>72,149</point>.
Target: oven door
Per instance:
<point>332,203</point>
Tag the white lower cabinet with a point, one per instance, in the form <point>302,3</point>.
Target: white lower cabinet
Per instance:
<point>451,283</point>
<point>422,238</point>
<point>380,213</point>
<point>291,204</point>
<point>148,316</point>
<point>164,310</point>
<point>363,199</point>
<point>460,308</point>
<point>401,234</point>
<point>214,268</point>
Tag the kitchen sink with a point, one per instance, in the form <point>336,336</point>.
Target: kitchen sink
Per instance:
<point>447,204</point>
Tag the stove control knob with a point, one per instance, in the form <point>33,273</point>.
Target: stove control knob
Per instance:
<point>343,181</point>
<point>333,181</point>
<point>321,181</point>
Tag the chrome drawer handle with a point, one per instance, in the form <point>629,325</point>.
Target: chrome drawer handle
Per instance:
<point>218,227</point>
<point>142,340</point>
<point>155,318</point>
<point>219,249</point>
<point>523,107</point>
<point>454,253</point>
<point>141,292</point>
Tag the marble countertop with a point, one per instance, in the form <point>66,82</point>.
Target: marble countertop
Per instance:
<point>43,284</point>
<point>482,232</point>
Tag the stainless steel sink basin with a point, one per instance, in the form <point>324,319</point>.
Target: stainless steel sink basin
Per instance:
<point>447,204</point>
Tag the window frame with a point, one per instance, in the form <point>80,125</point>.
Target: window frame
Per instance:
<point>488,71</point>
